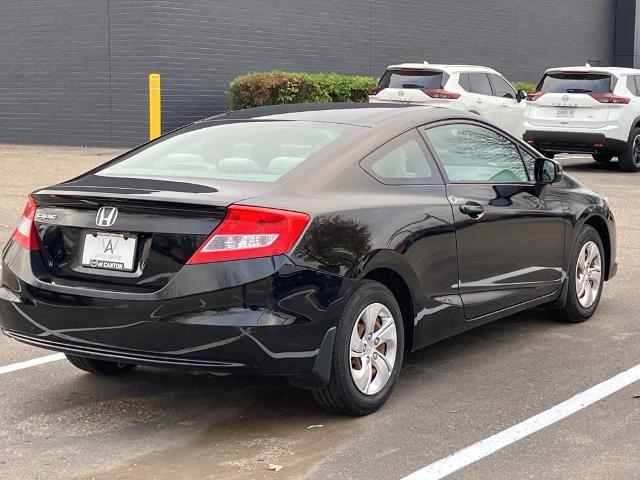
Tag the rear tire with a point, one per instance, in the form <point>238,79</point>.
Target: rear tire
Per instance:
<point>629,160</point>
<point>602,157</point>
<point>356,387</point>
<point>587,268</point>
<point>99,367</point>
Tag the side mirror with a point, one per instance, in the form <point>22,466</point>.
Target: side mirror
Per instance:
<point>547,171</point>
<point>521,95</point>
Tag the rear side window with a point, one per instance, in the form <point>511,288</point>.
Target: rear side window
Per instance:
<point>464,81</point>
<point>479,83</point>
<point>403,160</point>
<point>576,83</point>
<point>243,151</point>
<point>501,88</point>
<point>631,85</point>
<point>413,79</point>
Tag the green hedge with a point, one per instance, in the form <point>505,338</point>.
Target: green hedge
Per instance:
<point>270,88</point>
<point>528,87</point>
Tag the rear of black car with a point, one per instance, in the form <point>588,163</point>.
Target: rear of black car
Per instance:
<point>149,268</point>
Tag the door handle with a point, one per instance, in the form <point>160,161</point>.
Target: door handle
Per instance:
<point>473,209</point>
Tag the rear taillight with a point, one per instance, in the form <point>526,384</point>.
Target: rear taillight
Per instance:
<point>440,93</point>
<point>251,232</point>
<point>375,90</point>
<point>609,98</point>
<point>25,233</point>
<point>532,97</point>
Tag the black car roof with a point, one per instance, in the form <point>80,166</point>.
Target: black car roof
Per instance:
<point>362,114</point>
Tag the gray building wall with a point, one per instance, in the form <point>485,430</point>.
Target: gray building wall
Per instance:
<point>75,71</point>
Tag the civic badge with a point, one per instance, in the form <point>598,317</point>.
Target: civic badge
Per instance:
<point>106,216</point>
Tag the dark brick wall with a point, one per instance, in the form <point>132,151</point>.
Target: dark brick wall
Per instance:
<point>74,71</point>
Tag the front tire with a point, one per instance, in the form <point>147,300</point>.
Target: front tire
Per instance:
<point>368,352</point>
<point>99,367</point>
<point>629,160</point>
<point>586,277</point>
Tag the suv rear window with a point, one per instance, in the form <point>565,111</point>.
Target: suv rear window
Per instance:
<point>245,151</point>
<point>576,83</point>
<point>413,79</point>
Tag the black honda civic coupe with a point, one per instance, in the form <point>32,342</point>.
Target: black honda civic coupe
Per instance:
<point>316,242</point>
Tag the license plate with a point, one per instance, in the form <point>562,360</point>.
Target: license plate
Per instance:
<point>109,251</point>
<point>563,112</point>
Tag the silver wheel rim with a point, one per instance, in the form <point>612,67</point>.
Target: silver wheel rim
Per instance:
<point>635,151</point>
<point>372,349</point>
<point>588,274</point>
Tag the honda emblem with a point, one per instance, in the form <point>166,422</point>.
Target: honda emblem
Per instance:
<point>106,216</point>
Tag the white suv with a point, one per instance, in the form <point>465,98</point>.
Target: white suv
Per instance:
<point>587,110</point>
<point>472,88</point>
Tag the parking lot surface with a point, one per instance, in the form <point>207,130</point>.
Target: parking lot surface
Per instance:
<point>58,422</point>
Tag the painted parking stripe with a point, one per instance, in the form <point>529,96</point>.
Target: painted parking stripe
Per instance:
<point>31,363</point>
<point>486,447</point>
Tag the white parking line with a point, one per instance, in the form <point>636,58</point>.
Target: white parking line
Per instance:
<point>486,447</point>
<point>31,363</point>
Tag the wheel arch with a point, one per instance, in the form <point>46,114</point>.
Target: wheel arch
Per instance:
<point>398,284</point>
<point>600,225</point>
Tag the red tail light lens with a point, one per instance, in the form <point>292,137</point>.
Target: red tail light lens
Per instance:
<point>25,233</point>
<point>532,97</point>
<point>609,98</point>
<point>440,93</point>
<point>375,90</point>
<point>251,232</point>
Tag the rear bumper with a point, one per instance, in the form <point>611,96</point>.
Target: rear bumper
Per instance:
<point>573,142</point>
<point>282,324</point>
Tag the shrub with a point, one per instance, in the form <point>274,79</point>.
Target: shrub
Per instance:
<point>528,87</point>
<point>270,88</point>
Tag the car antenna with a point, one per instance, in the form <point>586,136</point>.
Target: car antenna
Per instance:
<point>587,65</point>
<point>426,63</point>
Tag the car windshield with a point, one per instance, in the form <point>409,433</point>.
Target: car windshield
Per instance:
<point>411,79</point>
<point>260,151</point>
<point>575,83</point>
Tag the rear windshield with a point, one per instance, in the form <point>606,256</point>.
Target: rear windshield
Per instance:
<point>575,83</point>
<point>412,79</point>
<point>245,151</point>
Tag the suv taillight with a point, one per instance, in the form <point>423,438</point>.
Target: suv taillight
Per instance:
<point>532,97</point>
<point>251,232</point>
<point>609,98</point>
<point>440,93</point>
<point>25,233</point>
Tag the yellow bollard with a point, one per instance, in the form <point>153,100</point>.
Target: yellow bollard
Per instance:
<point>155,114</point>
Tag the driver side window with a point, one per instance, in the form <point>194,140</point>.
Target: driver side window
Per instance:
<point>471,153</point>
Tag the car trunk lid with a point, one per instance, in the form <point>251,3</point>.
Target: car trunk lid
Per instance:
<point>133,232</point>
<point>572,100</point>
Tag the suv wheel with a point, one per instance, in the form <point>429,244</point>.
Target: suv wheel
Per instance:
<point>602,157</point>
<point>630,158</point>
<point>99,367</point>
<point>586,277</point>
<point>368,352</point>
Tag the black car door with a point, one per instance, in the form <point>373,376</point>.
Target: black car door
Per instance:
<point>509,233</point>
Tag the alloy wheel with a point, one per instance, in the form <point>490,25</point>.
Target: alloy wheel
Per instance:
<point>635,151</point>
<point>372,349</point>
<point>588,274</point>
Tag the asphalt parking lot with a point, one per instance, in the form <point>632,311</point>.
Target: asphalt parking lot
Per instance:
<point>58,422</point>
